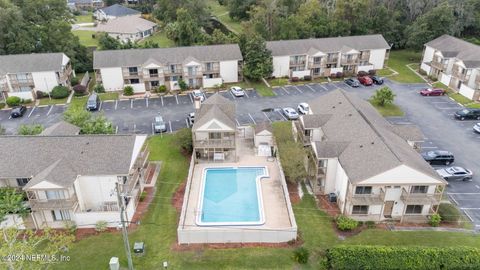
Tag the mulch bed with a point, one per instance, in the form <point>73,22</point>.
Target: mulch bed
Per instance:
<point>330,208</point>
<point>293,193</point>
<point>177,199</point>
<point>197,247</point>
<point>150,172</point>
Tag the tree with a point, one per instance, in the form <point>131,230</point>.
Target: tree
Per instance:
<point>79,117</point>
<point>185,30</point>
<point>218,37</point>
<point>34,129</point>
<point>184,139</point>
<point>106,42</point>
<point>12,202</point>
<point>239,9</point>
<point>258,59</point>
<point>383,96</point>
<point>292,156</point>
<point>183,85</point>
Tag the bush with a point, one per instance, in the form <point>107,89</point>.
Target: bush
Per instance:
<point>30,129</point>
<point>162,89</point>
<point>435,220</point>
<point>99,88</point>
<point>362,74</point>
<point>307,78</point>
<point>372,72</point>
<point>333,75</point>
<point>370,224</point>
<point>26,101</point>
<point>13,101</point>
<point>339,74</point>
<point>422,72</point>
<point>143,195</point>
<point>183,85</point>
<point>432,78</point>
<point>70,226</point>
<point>80,90</point>
<point>59,92</point>
<point>39,94</point>
<point>74,81</point>
<point>391,257</point>
<point>300,255</point>
<point>128,91</point>
<point>294,79</point>
<point>184,139</point>
<point>449,212</point>
<point>383,96</point>
<point>101,226</point>
<point>345,223</point>
<point>2,105</point>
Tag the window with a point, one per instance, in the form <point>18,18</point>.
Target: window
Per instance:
<point>22,181</point>
<point>360,210</point>
<point>331,65</point>
<point>414,209</point>
<point>363,190</point>
<point>209,66</point>
<point>133,70</point>
<point>173,69</point>
<point>317,60</point>
<point>22,78</point>
<point>59,215</point>
<point>24,89</point>
<point>316,71</point>
<point>153,72</point>
<point>174,78</point>
<point>154,83</point>
<point>419,189</point>
<point>134,81</point>
<point>214,135</point>
<point>54,194</point>
<point>191,83</point>
<point>191,71</point>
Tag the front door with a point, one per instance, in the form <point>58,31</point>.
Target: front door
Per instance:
<point>387,209</point>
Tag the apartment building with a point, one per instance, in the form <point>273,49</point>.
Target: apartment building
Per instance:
<point>71,177</point>
<point>214,132</point>
<point>146,69</point>
<point>85,4</point>
<point>370,165</point>
<point>455,63</point>
<point>23,74</point>
<point>127,28</point>
<point>322,57</point>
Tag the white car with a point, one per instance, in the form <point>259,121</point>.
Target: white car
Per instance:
<point>455,173</point>
<point>237,91</point>
<point>290,113</point>
<point>303,108</point>
<point>191,119</point>
<point>159,125</point>
<point>198,93</point>
<point>476,128</point>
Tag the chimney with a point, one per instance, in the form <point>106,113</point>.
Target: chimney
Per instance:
<point>197,102</point>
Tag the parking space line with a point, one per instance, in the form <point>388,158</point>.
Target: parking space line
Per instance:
<point>116,130</point>
<point>452,198</point>
<point>153,128</point>
<point>246,93</point>
<point>231,94</point>
<point>298,89</point>
<point>33,109</point>
<point>429,147</point>
<point>477,186</point>
<point>161,98</point>
<point>469,217</point>
<point>309,87</point>
<point>134,127</point>
<point>186,121</point>
<point>116,104</point>
<point>176,98</point>
<point>285,90</point>
<point>267,117</point>
<point>170,125</point>
<point>146,102</point>
<point>49,110</point>
<point>131,103</point>
<point>460,193</point>
<point>10,117</point>
<point>191,99</point>
<point>253,120</point>
<point>238,123</point>
<point>323,87</point>
<point>281,114</point>
<point>100,107</point>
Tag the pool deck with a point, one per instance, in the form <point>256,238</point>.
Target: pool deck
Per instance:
<point>279,226</point>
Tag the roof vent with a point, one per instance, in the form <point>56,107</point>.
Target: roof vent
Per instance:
<point>333,107</point>
<point>361,145</point>
<point>339,102</point>
<point>372,143</point>
<point>87,143</point>
<point>350,114</point>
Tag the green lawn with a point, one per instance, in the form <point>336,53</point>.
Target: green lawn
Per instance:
<point>84,18</point>
<point>161,39</point>
<point>261,88</point>
<point>53,101</point>
<point>398,61</point>
<point>388,110</point>
<point>109,96</point>
<point>285,81</point>
<point>79,101</point>
<point>385,72</point>
<point>221,12</point>
<point>86,38</point>
<point>458,97</point>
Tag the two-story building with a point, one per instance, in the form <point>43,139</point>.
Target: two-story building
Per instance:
<point>74,178</point>
<point>369,164</point>
<point>23,74</point>
<point>146,69</point>
<point>214,132</point>
<point>322,57</point>
<point>85,4</point>
<point>455,63</point>
<point>114,11</point>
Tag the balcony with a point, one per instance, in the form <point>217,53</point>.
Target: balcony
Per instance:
<point>332,60</point>
<point>460,74</point>
<point>47,204</point>
<point>367,199</point>
<point>364,57</point>
<point>349,61</point>
<point>301,134</point>
<point>420,198</point>
<point>437,63</point>
<point>103,207</point>
<point>141,159</point>
<point>297,63</point>
<point>215,143</point>
<point>193,74</point>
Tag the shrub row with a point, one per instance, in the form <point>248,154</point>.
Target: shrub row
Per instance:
<point>415,258</point>
<point>15,101</point>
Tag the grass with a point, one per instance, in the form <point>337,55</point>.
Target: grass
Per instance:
<point>53,101</point>
<point>161,39</point>
<point>79,101</point>
<point>84,18</point>
<point>388,110</point>
<point>92,82</point>
<point>285,81</point>
<point>86,38</point>
<point>398,61</point>
<point>221,12</point>
<point>457,97</point>
<point>108,96</point>
<point>261,88</point>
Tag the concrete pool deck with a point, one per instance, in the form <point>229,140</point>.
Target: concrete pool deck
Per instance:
<point>279,226</point>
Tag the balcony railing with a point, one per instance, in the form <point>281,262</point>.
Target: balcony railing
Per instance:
<point>217,143</point>
<point>368,199</point>
<point>420,198</point>
<point>459,75</point>
<point>350,61</point>
<point>364,57</point>
<point>331,60</point>
<point>142,159</point>
<point>103,207</point>
<point>297,63</point>
<point>438,65</point>
<point>46,204</point>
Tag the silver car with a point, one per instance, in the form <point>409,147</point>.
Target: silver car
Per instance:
<point>159,125</point>
<point>455,173</point>
<point>290,113</point>
<point>237,91</point>
<point>199,94</point>
<point>191,119</point>
<point>476,128</point>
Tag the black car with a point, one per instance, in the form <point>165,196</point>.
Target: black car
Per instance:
<point>438,157</point>
<point>93,102</point>
<point>18,111</point>
<point>352,82</point>
<point>468,114</point>
<point>377,80</point>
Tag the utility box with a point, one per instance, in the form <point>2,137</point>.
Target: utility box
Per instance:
<point>114,263</point>
<point>332,197</point>
<point>139,248</point>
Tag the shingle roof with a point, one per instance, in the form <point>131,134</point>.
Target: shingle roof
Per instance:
<point>372,146</point>
<point>125,25</point>
<point>326,45</point>
<point>315,120</point>
<point>263,126</point>
<point>137,57</point>
<point>215,107</point>
<point>119,10</point>
<point>330,149</point>
<point>60,159</point>
<point>35,62</point>
<point>61,128</point>
<point>408,132</point>
<point>450,46</point>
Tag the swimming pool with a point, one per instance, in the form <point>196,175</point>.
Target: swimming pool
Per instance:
<point>231,196</point>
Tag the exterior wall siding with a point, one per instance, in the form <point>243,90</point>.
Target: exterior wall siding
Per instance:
<point>229,71</point>
<point>112,78</point>
<point>377,58</point>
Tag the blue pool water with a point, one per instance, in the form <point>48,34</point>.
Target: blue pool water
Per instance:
<point>230,195</point>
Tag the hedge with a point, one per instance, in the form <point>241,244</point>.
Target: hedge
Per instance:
<point>414,258</point>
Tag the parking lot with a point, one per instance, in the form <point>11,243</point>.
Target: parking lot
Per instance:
<point>46,116</point>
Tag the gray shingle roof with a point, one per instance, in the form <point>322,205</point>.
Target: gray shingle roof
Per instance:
<point>215,107</point>
<point>326,45</point>
<point>372,147</point>
<point>454,47</point>
<point>408,132</point>
<point>315,120</point>
<point>176,55</point>
<point>119,10</point>
<point>61,128</point>
<point>330,149</point>
<point>125,25</point>
<point>263,126</point>
<point>60,159</point>
<point>35,62</point>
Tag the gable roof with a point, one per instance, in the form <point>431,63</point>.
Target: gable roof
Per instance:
<point>263,126</point>
<point>175,55</point>
<point>60,159</point>
<point>450,46</point>
<point>326,45</point>
<point>125,25</point>
<point>61,128</point>
<point>119,11</point>
<point>35,62</point>
<point>215,107</point>
<point>315,120</point>
<point>372,146</point>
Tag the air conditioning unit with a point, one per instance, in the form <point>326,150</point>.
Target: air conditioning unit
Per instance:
<point>114,263</point>
<point>138,248</point>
